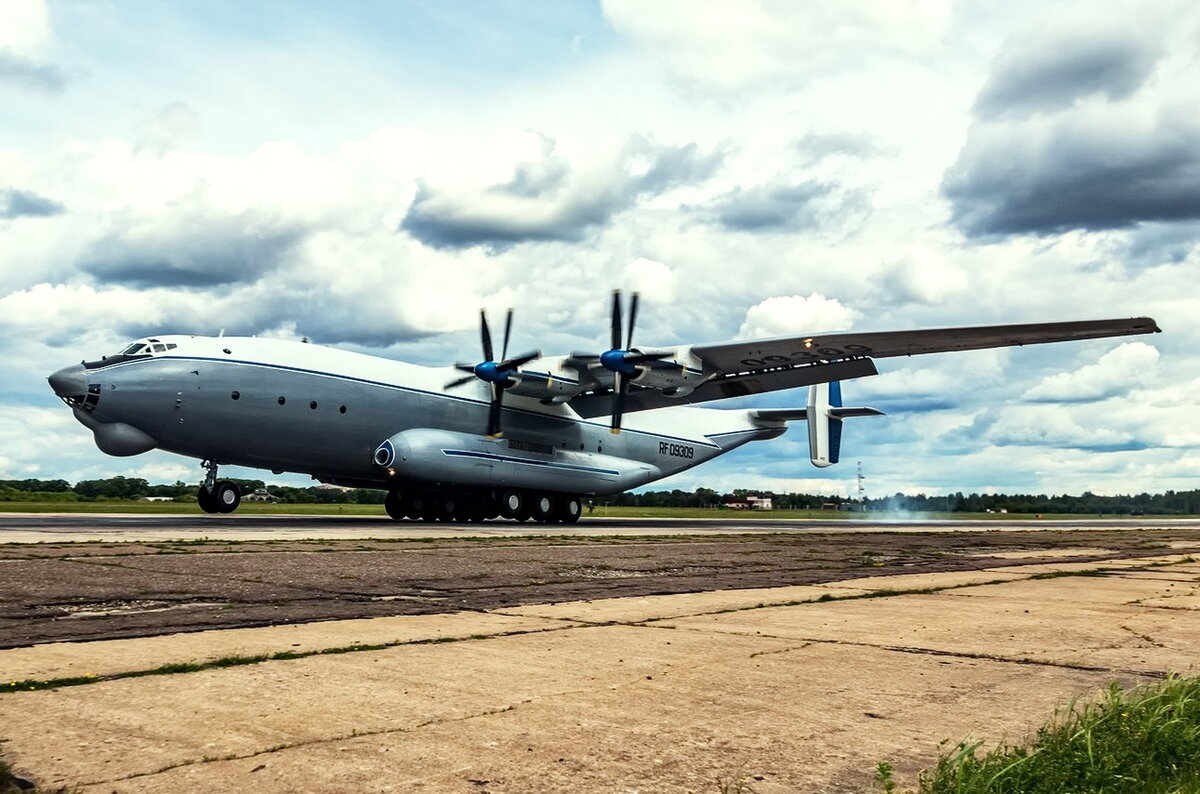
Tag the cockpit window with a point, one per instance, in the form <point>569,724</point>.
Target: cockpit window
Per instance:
<point>160,348</point>
<point>135,349</point>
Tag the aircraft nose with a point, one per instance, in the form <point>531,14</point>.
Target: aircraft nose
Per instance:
<point>69,381</point>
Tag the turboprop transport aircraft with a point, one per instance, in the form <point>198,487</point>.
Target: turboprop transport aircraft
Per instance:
<point>521,437</point>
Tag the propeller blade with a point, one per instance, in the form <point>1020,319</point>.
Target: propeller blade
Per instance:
<point>485,336</point>
<point>519,361</point>
<point>633,306</point>
<point>456,383</point>
<point>493,423</point>
<point>619,385</point>
<point>642,358</point>
<point>616,320</point>
<point>507,331</point>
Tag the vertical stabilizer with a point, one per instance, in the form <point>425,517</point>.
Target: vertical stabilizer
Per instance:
<point>824,429</point>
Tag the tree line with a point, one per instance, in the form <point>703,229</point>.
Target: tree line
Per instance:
<point>134,488</point>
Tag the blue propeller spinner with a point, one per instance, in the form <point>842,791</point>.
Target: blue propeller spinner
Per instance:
<point>497,373</point>
<point>624,362</point>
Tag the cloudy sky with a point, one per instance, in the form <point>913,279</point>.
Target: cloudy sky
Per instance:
<point>369,174</point>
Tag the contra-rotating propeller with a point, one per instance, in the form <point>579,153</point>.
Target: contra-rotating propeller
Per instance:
<point>624,362</point>
<point>497,373</point>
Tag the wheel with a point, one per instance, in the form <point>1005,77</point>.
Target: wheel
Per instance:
<point>448,508</point>
<point>207,500</point>
<point>512,504</point>
<point>228,496</point>
<point>542,508</point>
<point>569,509</point>
<point>427,507</point>
<point>394,505</point>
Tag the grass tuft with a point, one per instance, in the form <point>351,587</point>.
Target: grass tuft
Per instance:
<point>1138,741</point>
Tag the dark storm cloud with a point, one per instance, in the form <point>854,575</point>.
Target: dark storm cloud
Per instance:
<point>30,74</point>
<point>548,200</point>
<point>1048,73</point>
<point>201,255</point>
<point>23,204</point>
<point>1077,171</point>
<point>775,208</point>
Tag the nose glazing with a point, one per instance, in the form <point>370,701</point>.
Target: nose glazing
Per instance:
<point>69,381</point>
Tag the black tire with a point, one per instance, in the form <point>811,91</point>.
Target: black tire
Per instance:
<point>227,496</point>
<point>207,500</point>
<point>393,503</point>
<point>543,507</point>
<point>449,508</point>
<point>512,504</point>
<point>569,509</point>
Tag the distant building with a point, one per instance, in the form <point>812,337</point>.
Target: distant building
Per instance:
<point>260,495</point>
<point>751,503</point>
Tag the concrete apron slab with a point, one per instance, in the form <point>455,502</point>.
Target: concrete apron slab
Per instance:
<point>809,697</point>
<point>110,657</point>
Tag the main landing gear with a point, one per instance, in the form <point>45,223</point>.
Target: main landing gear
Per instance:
<point>544,507</point>
<point>217,496</point>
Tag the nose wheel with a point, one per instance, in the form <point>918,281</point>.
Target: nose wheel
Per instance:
<point>216,496</point>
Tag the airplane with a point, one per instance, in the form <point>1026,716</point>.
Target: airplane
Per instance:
<point>522,437</point>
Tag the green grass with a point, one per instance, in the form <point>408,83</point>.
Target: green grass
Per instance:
<point>1137,741</point>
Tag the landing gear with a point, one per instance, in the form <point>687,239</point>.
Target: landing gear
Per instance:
<point>569,509</point>
<point>217,497</point>
<point>475,505</point>
<point>542,508</point>
<point>393,503</point>
<point>512,505</point>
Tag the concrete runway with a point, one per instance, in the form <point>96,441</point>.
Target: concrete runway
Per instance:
<point>68,527</point>
<point>784,689</point>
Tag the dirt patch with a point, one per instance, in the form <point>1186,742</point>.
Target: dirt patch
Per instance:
<point>71,592</point>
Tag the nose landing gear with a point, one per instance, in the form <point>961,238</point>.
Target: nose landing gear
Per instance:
<point>217,496</point>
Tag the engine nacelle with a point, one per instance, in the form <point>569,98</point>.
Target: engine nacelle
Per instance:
<point>676,376</point>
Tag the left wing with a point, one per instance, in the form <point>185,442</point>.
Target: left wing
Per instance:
<point>755,354</point>
<point>753,366</point>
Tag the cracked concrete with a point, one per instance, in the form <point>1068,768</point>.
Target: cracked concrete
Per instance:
<point>658,693</point>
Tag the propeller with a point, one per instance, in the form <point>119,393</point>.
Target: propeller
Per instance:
<point>624,362</point>
<point>496,373</point>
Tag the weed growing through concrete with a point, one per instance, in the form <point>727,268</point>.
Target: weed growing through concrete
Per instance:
<point>1144,740</point>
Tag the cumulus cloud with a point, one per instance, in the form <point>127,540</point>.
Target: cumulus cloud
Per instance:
<point>192,251</point>
<point>652,278</point>
<point>793,208</point>
<point>24,36</point>
<point>923,276</point>
<point>793,315</point>
<point>1045,426</point>
<point>1049,72</point>
<point>1100,167</point>
<point>552,198</point>
<point>1116,372</point>
<point>30,73</point>
<point>22,203</point>
<point>167,129</point>
<point>733,44</point>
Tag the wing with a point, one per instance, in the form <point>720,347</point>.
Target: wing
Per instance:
<point>723,386</point>
<point>760,354</point>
